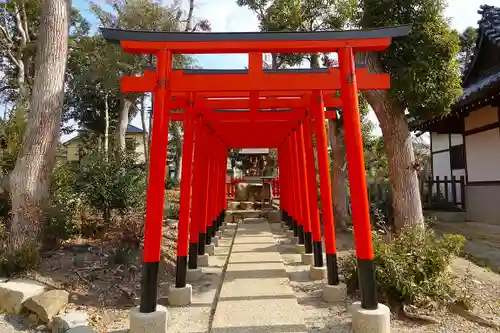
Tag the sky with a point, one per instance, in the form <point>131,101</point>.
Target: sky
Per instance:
<point>226,16</point>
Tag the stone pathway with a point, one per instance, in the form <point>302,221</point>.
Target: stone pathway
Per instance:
<point>256,295</point>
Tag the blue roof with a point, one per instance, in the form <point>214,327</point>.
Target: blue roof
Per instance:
<point>133,129</point>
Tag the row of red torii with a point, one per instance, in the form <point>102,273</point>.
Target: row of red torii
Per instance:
<point>255,108</point>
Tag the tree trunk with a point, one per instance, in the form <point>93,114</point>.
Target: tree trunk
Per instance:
<point>189,20</point>
<point>106,126</point>
<point>339,190</point>
<point>398,144</point>
<point>178,151</point>
<point>123,122</point>
<point>145,139</point>
<point>30,177</point>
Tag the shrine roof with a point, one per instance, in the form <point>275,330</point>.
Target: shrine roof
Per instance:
<point>117,35</point>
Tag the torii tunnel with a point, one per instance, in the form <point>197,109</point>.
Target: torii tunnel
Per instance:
<point>255,108</point>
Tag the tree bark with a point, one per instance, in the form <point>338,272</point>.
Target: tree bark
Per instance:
<point>123,122</point>
<point>145,132</point>
<point>106,126</point>
<point>189,20</point>
<point>339,189</point>
<point>30,179</point>
<point>398,144</point>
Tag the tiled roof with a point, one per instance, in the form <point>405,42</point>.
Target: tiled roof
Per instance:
<point>490,22</point>
<point>489,27</point>
<point>133,129</point>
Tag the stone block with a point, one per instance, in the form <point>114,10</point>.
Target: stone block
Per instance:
<point>47,304</point>
<point>307,258</point>
<point>300,248</point>
<point>335,293</point>
<point>194,275</point>
<point>15,292</point>
<point>63,323</point>
<point>289,233</point>
<point>203,260</point>
<point>154,322</point>
<point>318,273</point>
<point>373,321</point>
<point>210,249</point>
<point>180,296</point>
<point>219,233</point>
<point>274,217</point>
<point>294,240</point>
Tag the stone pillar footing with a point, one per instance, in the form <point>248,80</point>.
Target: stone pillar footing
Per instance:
<point>300,248</point>
<point>218,234</point>
<point>210,249</point>
<point>318,273</point>
<point>294,240</point>
<point>216,240</point>
<point>289,233</point>
<point>335,293</point>
<point>374,321</point>
<point>203,260</point>
<point>154,322</point>
<point>307,258</point>
<point>194,275</point>
<point>180,296</point>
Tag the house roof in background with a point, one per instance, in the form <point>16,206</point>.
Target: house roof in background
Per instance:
<point>134,130</point>
<point>254,151</point>
<point>131,129</point>
<point>475,90</point>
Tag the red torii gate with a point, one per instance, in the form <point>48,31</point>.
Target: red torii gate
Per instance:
<point>223,108</point>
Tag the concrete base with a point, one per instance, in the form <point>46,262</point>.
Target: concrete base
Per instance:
<point>203,260</point>
<point>180,296</point>
<point>155,322</point>
<point>294,240</point>
<point>194,275</point>
<point>318,273</point>
<point>373,321</point>
<point>300,248</point>
<point>216,240</point>
<point>210,249</point>
<point>335,294</point>
<point>307,258</point>
<point>289,233</point>
<point>218,234</point>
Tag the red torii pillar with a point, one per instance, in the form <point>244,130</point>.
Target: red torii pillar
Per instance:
<point>317,108</point>
<point>304,192</point>
<point>185,201</point>
<point>156,184</point>
<point>313,196</point>
<point>198,180</point>
<point>357,180</point>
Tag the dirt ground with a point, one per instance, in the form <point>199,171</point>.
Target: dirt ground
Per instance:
<point>103,280</point>
<point>483,246</point>
<point>322,317</point>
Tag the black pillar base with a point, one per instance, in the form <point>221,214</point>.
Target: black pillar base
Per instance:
<point>332,269</point>
<point>181,272</point>
<point>318,254</point>
<point>301,234</point>
<point>193,256</point>
<point>308,240</point>
<point>149,287</point>
<point>295,227</point>
<point>367,284</point>
<point>208,238</point>
<point>214,227</point>
<point>201,243</point>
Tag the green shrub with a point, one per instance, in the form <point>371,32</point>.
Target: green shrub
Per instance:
<point>18,261</point>
<point>108,184</point>
<point>171,183</point>
<point>413,268</point>
<point>173,211</point>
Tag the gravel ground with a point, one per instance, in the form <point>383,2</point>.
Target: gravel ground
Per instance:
<point>322,317</point>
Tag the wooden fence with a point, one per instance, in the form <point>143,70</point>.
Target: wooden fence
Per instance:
<point>446,193</point>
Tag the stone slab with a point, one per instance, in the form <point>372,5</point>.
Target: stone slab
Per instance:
<point>15,292</point>
<point>256,295</point>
